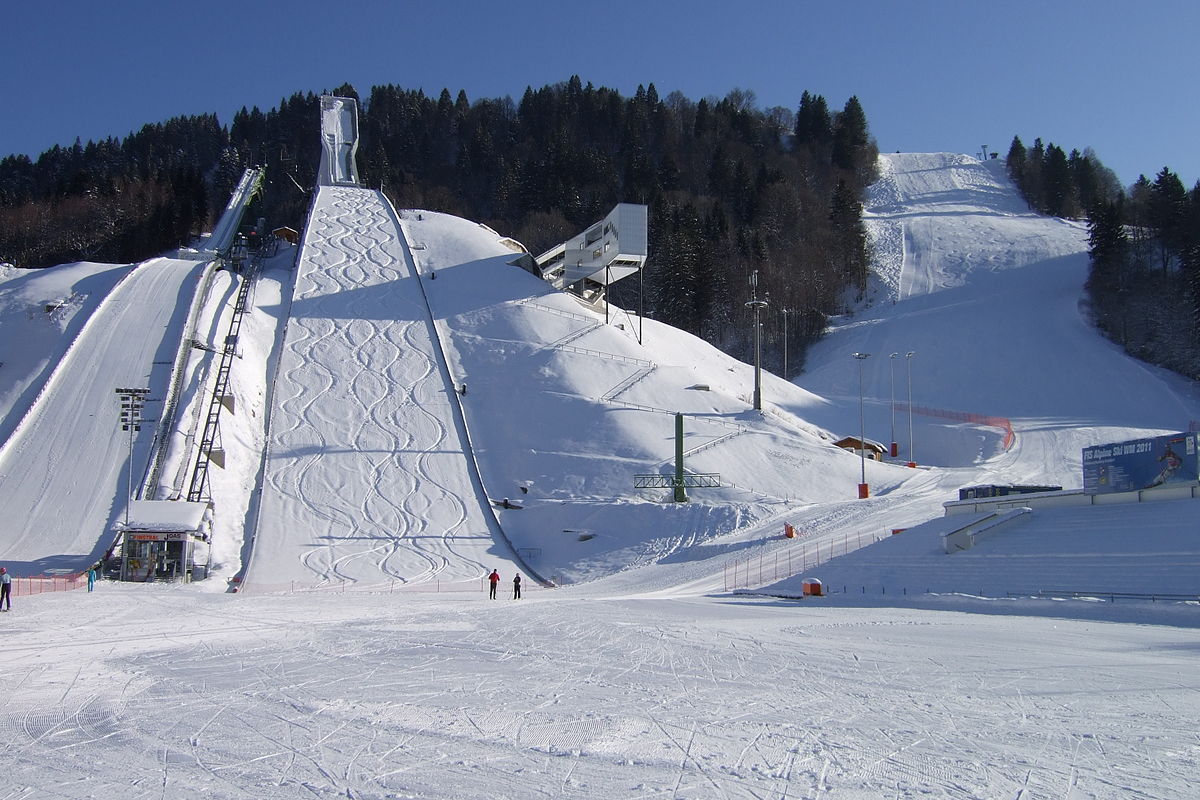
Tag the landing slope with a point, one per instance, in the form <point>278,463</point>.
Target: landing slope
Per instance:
<point>366,478</point>
<point>65,467</point>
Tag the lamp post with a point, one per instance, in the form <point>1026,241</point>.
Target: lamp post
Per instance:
<point>864,491</point>
<point>895,449</point>
<point>757,305</point>
<point>132,401</point>
<point>912,461</point>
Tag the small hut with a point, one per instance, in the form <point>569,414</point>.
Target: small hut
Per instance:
<point>163,540</point>
<point>287,234</point>
<point>872,450</point>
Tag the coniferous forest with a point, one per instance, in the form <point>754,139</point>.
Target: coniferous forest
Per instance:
<point>1144,245</point>
<point>732,189</point>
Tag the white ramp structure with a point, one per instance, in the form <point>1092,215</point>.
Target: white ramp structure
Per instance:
<point>612,249</point>
<point>227,226</point>
<point>368,477</point>
<point>339,141</point>
<point>64,473</point>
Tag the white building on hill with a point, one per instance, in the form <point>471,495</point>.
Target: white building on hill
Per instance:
<point>614,248</point>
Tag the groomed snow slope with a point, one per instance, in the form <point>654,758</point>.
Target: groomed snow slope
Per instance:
<point>990,297</point>
<point>571,409</point>
<point>366,478</point>
<point>65,469</point>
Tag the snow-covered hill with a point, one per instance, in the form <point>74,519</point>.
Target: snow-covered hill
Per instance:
<point>641,677</point>
<point>563,409</point>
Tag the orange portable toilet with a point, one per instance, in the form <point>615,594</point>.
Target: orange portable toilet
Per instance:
<point>811,587</point>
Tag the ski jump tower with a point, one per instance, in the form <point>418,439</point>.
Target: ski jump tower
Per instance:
<point>339,140</point>
<point>614,248</point>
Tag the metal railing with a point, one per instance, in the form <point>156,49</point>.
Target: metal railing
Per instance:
<point>787,561</point>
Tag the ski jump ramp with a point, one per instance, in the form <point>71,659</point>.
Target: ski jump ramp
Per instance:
<point>64,473</point>
<point>227,226</point>
<point>339,141</point>
<point>367,478</point>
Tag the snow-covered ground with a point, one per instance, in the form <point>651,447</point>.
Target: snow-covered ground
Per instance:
<point>640,676</point>
<point>157,691</point>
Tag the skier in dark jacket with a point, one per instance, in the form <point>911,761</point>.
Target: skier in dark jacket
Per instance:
<point>517,587</point>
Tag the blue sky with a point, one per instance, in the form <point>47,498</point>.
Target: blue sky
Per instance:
<point>932,76</point>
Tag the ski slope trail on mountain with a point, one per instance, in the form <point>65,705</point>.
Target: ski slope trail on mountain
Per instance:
<point>66,467</point>
<point>990,299</point>
<point>366,479</point>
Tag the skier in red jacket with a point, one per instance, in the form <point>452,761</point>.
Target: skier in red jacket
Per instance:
<point>494,578</point>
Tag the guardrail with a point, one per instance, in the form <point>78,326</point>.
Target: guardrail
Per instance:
<point>556,311</point>
<point>787,561</point>
<point>1075,594</point>
<point>570,348</point>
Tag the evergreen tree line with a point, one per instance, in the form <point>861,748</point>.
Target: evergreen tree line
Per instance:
<point>111,200</point>
<point>1058,184</point>
<point>732,189</point>
<point>1144,247</point>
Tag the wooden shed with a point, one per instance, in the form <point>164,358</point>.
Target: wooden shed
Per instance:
<point>288,234</point>
<point>872,450</point>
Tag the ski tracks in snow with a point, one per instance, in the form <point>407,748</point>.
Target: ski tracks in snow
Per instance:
<point>361,442</point>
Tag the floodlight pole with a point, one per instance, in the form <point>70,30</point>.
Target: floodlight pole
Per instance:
<point>864,491</point>
<point>757,305</point>
<point>132,401</point>
<point>912,461</point>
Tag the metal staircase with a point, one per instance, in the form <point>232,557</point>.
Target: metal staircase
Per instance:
<point>209,447</point>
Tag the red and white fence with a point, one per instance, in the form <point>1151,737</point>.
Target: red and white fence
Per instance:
<point>1003,423</point>
<point>38,584</point>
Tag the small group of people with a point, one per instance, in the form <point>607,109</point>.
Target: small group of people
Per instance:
<point>494,580</point>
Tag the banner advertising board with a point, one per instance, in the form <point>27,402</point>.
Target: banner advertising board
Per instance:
<point>1141,463</point>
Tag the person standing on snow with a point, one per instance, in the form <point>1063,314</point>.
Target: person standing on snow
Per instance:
<point>494,578</point>
<point>91,576</point>
<point>517,587</point>
<point>5,589</point>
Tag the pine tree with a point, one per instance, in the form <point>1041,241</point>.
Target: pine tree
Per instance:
<point>853,150</point>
